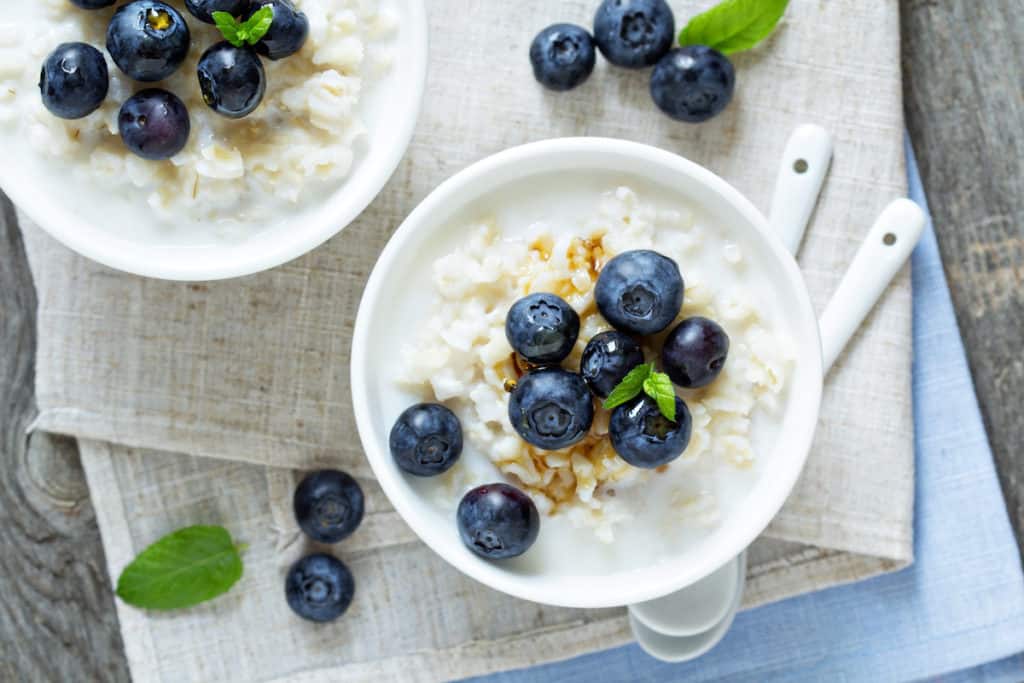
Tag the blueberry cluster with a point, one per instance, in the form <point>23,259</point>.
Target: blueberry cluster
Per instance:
<point>691,83</point>
<point>149,40</point>
<point>328,507</point>
<point>640,293</point>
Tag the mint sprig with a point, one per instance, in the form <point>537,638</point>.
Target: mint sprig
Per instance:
<point>630,386</point>
<point>734,25</point>
<point>645,379</point>
<point>659,387</point>
<point>184,568</point>
<point>248,32</point>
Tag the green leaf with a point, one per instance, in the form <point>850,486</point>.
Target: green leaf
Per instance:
<point>659,387</point>
<point>256,26</point>
<point>184,568</point>
<point>734,25</point>
<point>630,386</point>
<point>228,27</point>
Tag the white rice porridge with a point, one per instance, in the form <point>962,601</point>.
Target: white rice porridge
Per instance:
<point>303,135</point>
<point>462,358</point>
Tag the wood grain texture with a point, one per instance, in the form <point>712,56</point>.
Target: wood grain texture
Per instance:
<point>57,619</point>
<point>964,99</point>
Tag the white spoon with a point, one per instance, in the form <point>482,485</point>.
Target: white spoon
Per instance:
<point>688,623</point>
<point>805,162</point>
<point>687,617</point>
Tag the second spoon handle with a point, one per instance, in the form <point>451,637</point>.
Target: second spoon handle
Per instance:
<point>884,251</point>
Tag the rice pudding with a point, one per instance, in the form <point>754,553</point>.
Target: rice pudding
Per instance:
<point>303,137</point>
<point>461,357</point>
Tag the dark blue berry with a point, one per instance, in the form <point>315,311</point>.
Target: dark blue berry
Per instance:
<point>426,440</point>
<point>231,79</point>
<point>328,505</point>
<point>92,4</point>
<point>74,80</point>
<point>551,408</point>
<point>634,33</point>
<point>694,352</point>
<point>639,292</point>
<point>154,124</point>
<point>319,588</point>
<point>542,328</point>
<point>608,358</point>
<point>288,31</point>
<point>643,437</point>
<point>693,83</point>
<point>203,9</point>
<point>148,40</point>
<point>562,56</point>
<point>497,521</point>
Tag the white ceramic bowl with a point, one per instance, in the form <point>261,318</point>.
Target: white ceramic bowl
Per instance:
<point>394,300</point>
<point>390,108</point>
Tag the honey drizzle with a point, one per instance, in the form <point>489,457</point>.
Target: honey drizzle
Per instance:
<point>587,255</point>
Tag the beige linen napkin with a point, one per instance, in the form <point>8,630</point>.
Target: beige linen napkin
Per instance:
<point>414,617</point>
<point>253,373</point>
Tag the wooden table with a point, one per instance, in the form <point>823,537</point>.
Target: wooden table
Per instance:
<point>963,64</point>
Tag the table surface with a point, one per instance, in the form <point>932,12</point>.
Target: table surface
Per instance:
<point>963,62</point>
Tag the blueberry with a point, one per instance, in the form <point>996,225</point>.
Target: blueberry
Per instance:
<point>426,439</point>
<point>203,9</point>
<point>693,83</point>
<point>154,124</point>
<point>695,352</point>
<point>288,31</point>
<point>328,505</point>
<point>634,33</point>
<point>319,587</point>
<point>231,79</point>
<point>551,408</point>
<point>74,80</point>
<point>639,292</point>
<point>497,521</point>
<point>92,4</point>
<point>562,56</point>
<point>542,328</point>
<point>148,40</point>
<point>643,437</point>
<point>608,358</point>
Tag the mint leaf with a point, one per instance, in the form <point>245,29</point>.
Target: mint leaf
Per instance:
<point>659,387</point>
<point>184,568</point>
<point>256,26</point>
<point>630,386</point>
<point>734,25</point>
<point>228,27</point>
<point>250,31</point>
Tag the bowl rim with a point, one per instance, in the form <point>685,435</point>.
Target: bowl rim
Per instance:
<point>60,221</point>
<point>652,582</point>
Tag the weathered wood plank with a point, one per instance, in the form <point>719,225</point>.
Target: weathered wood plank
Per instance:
<point>57,618</point>
<point>964,96</point>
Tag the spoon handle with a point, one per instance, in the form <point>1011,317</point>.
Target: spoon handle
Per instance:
<point>802,172</point>
<point>884,251</point>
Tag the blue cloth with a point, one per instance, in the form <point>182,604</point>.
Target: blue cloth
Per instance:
<point>960,606</point>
